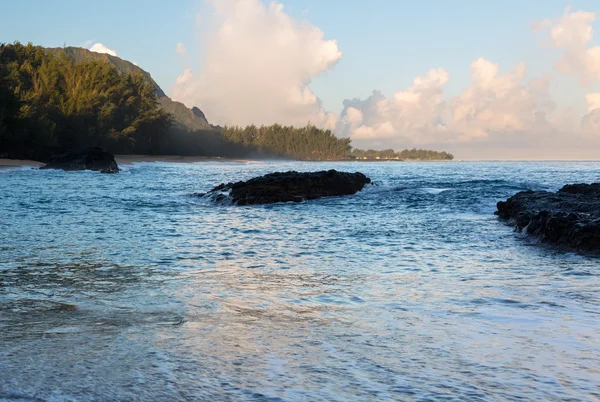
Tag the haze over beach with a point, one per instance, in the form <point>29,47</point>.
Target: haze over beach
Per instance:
<point>299,200</point>
<point>500,80</point>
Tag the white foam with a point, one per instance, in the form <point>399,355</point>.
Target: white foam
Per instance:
<point>433,190</point>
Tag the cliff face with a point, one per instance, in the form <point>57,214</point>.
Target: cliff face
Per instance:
<point>192,119</point>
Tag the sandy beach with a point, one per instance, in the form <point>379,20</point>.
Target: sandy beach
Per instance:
<point>7,163</point>
<point>129,159</point>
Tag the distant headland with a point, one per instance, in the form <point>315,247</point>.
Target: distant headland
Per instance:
<point>54,100</point>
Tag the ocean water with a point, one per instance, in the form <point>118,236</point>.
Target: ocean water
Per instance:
<point>125,288</point>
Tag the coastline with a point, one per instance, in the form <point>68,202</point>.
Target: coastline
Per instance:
<point>129,159</point>
<point>11,163</point>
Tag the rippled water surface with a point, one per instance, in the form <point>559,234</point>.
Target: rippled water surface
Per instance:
<point>124,287</point>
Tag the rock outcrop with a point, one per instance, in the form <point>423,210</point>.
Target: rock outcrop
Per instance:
<point>569,218</point>
<point>290,186</point>
<point>89,159</point>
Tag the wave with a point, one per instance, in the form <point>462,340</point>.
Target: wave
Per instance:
<point>10,169</point>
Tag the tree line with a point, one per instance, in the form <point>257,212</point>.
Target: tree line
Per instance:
<point>313,143</point>
<point>406,154</point>
<point>306,143</point>
<point>50,103</point>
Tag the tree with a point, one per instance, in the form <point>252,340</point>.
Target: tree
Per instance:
<point>50,104</point>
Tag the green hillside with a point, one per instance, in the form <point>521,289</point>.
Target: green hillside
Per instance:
<point>191,119</point>
<point>51,104</point>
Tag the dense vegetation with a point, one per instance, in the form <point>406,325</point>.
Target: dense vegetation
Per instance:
<point>312,143</point>
<point>192,119</point>
<point>64,99</point>
<point>308,143</point>
<point>50,104</point>
<point>407,154</point>
<point>81,55</point>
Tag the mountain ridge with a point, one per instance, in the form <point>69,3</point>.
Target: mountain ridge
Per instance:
<point>184,117</point>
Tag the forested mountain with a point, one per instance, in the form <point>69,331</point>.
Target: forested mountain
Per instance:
<point>65,99</point>
<point>50,104</point>
<point>192,119</point>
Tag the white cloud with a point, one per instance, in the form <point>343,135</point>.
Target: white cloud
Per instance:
<point>414,114</point>
<point>593,101</point>
<point>186,77</point>
<point>573,32</point>
<point>258,65</point>
<point>498,103</point>
<point>493,105</point>
<point>590,123</point>
<point>354,116</point>
<point>379,131</point>
<point>100,48</point>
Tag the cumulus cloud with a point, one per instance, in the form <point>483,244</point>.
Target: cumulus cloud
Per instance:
<point>186,77</point>
<point>258,63</point>
<point>593,101</point>
<point>591,124</point>
<point>414,114</point>
<point>258,66</point>
<point>354,117</point>
<point>494,104</point>
<point>591,121</point>
<point>496,110</point>
<point>100,48</point>
<point>499,103</point>
<point>573,32</point>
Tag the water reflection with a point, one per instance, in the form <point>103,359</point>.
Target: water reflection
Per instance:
<point>129,289</point>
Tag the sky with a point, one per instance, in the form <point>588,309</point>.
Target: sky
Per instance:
<point>483,80</point>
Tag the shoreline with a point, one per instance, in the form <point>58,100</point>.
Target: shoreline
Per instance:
<point>130,159</point>
<point>12,163</point>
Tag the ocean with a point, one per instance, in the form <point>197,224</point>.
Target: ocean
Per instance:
<point>127,287</point>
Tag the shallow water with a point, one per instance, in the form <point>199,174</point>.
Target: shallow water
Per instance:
<point>124,287</point>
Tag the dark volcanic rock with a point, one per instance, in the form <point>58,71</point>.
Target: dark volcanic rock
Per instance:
<point>88,159</point>
<point>569,218</point>
<point>291,186</point>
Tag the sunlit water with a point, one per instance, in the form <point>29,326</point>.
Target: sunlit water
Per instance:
<point>124,287</point>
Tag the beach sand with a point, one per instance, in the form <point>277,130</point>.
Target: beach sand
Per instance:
<point>129,159</point>
<point>7,163</point>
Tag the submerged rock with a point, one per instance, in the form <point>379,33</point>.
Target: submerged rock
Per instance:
<point>291,186</point>
<point>569,218</point>
<point>89,159</point>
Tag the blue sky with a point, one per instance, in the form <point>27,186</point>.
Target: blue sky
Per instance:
<point>385,44</point>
